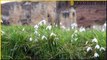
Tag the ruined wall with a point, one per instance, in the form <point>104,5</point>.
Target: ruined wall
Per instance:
<point>87,13</point>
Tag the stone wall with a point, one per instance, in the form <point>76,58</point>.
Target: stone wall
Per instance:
<point>25,13</point>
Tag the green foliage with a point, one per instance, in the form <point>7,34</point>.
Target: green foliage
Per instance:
<point>56,44</point>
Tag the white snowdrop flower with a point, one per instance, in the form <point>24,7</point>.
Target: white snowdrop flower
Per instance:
<point>88,49</point>
<point>63,27</point>
<point>94,27</point>
<point>104,24</point>
<point>36,32</point>
<point>30,39</point>
<point>35,40</point>
<point>76,39</point>
<point>2,32</point>
<point>81,29</point>
<point>60,23</point>
<point>23,29</point>
<point>74,25</point>
<point>36,27</point>
<point>75,31</point>
<point>42,22</point>
<point>86,42</point>
<point>104,27</point>
<point>56,39</point>
<point>71,40</point>
<point>72,35</point>
<point>96,54</point>
<point>49,27</point>
<point>52,34</point>
<point>44,37</point>
<point>97,47</point>
<point>94,40</point>
<point>103,30</point>
<point>56,25</point>
<point>102,49</point>
<point>68,29</point>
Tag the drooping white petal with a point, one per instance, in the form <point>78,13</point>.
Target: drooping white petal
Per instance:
<point>86,42</point>
<point>36,27</point>
<point>76,39</point>
<point>74,25</point>
<point>30,39</point>
<point>94,27</point>
<point>97,47</point>
<point>63,27</point>
<point>49,27</point>
<point>104,27</point>
<point>56,39</point>
<point>104,24</point>
<point>88,49</point>
<point>102,49</point>
<point>75,31</point>
<point>43,22</point>
<point>96,54</point>
<point>36,32</point>
<point>35,40</point>
<point>23,29</point>
<point>2,32</point>
<point>44,37</point>
<point>52,34</point>
<point>95,40</point>
<point>81,29</point>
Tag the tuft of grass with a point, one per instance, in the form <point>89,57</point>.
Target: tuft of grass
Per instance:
<point>16,43</point>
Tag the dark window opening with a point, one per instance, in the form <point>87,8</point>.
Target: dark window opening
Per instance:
<point>66,14</point>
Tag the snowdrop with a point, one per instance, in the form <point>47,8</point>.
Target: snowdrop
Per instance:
<point>2,32</point>
<point>73,35</point>
<point>49,27</point>
<point>63,27</point>
<point>75,31</point>
<point>102,49</point>
<point>104,24</point>
<point>42,22</point>
<point>56,39</point>
<point>68,29</point>
<point>60,23</point>
<point>52,34</point>
<point>36,32</point>
<point>74,25</point>
<point>86,42</point>
<point>88,49</point>
<point>76,39</point>
<point>94,40</point>
<point>104,27</point>
<point>23,29</point>
<point>94,27</point>
<point>96,54</point>
<point>44,37</point>
<point>36,27</point>
<point>97,47</point>
<point>81,29</point>
<point>35,40</point>
<point>103,30</point>
<point>56,25</point>
<point>30,39</point>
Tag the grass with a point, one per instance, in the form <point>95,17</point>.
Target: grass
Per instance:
<point>66,45</point>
